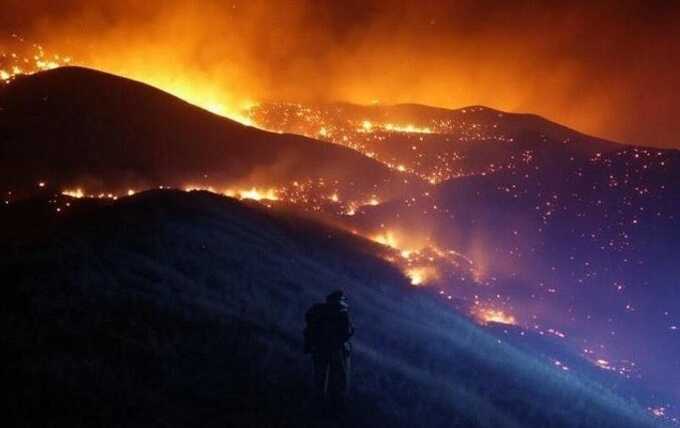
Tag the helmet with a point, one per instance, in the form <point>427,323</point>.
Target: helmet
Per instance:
<point>336,296</point>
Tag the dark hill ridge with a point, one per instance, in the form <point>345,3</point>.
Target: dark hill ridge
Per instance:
<point>185,309</point>
<point>75,126</point>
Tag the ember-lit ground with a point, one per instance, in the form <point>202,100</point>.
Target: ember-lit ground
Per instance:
<point>531,229</point>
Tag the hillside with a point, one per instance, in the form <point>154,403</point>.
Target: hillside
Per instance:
<point>584,248</point>
<point>435,144</point>
<point>75,127</point>
<point>185,309</point>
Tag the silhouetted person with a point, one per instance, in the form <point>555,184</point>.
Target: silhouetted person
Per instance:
<point>327,337</point>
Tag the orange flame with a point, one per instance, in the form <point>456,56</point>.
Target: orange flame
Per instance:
<point>489,315</point>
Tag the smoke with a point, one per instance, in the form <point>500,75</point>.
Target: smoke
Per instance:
<point>607,68</point>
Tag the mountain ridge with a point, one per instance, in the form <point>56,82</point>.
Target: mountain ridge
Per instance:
<point>104,129</point>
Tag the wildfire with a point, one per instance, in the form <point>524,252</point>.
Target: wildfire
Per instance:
<point>374,201</point>
<point>421,275</point>
<point>254,194</point>
<point>489,315</point>
<point>79,194</point>
<point>409,129</point>
<point>387,239</point>
<point>421,260</point>
<point>13,64</point>
<point>368,127</point>
<point>76,193</point>
<point>372,135</point>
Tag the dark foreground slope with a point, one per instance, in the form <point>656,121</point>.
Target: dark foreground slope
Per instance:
<point>79,127</point>
<point>185,309</point>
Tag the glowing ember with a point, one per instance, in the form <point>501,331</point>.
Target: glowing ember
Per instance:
<point>373,202</point>
<point>659,412</point>
<point>602,363</point>
<point>369,127</point>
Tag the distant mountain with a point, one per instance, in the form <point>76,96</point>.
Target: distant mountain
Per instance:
<point>182,309</point>
<point>79,127</point>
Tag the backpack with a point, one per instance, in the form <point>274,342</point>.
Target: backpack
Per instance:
<point>314,319</point>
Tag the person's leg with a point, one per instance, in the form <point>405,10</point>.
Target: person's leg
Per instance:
<point>348,371</point>
<point>321,373</point>
<point>338,379</point>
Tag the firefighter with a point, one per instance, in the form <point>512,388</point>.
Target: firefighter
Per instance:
<point>327,335</point>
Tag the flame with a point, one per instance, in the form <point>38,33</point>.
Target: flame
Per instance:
<point>489,315</point>
<point>201,94</point>
<point>373,202</point>
<point>13,64</point>
<point>79,193</point>
<point>420,260</point>
<point>76,193</point>
<point>254,194</point>
<point>421,275</point>
<point>387,239</point>
<point>407,129</point>
<point>368,126</point>
<point>602,363</point>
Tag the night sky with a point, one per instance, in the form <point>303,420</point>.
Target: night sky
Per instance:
<point>607,68</point>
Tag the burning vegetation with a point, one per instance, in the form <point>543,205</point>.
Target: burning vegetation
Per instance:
<point>489,315</point>
<point>27,59</point>
<point>397,136</point>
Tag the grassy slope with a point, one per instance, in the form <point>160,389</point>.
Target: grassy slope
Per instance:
<point>174,309</point>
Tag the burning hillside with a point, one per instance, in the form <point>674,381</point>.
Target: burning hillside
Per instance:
<point>433,144</point>
<point>139,138</point>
